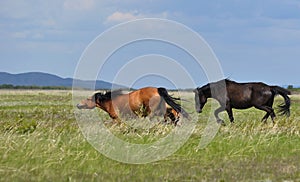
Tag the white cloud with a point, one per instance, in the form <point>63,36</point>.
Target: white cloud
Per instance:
<point>27,35</point>
<point>118,16</point>
<point>20,35</point>
<point>122,17</point>
<point>49,22</point>
<point>79,4</point>
<point>38,36</point>
<point>15,10</point>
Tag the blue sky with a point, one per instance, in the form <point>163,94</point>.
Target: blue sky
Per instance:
<point>254,40</point>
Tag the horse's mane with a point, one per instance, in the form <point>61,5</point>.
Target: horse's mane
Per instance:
<point>108,95</point>
<point>213,84</point>
<point>218,85</point>
<point>227,80</point>
<point>206,87</point>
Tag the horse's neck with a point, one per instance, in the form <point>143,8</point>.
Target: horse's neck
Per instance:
<point>216,90</point>
<point>207,92</point>
<point>218,93</point>
<point>105,105</point>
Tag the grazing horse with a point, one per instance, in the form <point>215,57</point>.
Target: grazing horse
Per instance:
<point>231,94</point>
<point>143,102</point>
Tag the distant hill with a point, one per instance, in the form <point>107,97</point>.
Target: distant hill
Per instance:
<point>45,79</point>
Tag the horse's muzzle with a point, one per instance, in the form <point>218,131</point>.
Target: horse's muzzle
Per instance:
<point>79,106</point>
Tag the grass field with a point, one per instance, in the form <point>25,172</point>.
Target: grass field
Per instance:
<point>41,141</point>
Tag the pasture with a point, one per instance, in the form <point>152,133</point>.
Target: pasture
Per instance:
<point>41,141</point>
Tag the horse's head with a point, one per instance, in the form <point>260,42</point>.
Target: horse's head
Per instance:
<point>97,100</point>
<point>200,99</point>
<point>88,103</point>
<point>91,102</point>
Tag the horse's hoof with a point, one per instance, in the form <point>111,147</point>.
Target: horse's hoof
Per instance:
<point>220,121</point>
<point>178,123</point>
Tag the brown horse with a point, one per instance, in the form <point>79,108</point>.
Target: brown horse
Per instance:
<point>143,102</point>
<point>231,94</point>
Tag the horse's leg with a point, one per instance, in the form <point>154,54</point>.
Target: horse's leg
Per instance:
<point>146,111</point>
<point>166,117</point>
<point>269,110</point>
<point>163,111</point>
<point>273,115</point>
<point>157,107</point>
<point>168,114</point>
<point>229,112</point>
<point>264,119</point>
<point>115,117</point>
<point>173,115</point>
<point>217,111</point>
<point>270,104</point>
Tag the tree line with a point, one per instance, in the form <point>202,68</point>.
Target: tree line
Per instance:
<point>10,86</point>
<point>34,87</point>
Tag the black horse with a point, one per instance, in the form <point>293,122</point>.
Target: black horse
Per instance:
<point>231,94</point>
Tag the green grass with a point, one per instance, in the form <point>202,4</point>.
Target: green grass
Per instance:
<point>41,141</point>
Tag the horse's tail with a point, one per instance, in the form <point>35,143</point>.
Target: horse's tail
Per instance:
<point>171,102</point>
<point>284,108</point>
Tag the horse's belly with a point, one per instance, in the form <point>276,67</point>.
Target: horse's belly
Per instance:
<point>241,105</point>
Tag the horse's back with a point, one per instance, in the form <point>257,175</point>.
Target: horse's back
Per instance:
<point>145,93</point>
<point>142,96</point>
<point>247,89</point>
<point>239,91</point>
<point>245,95</point>
<point>149,91</point>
